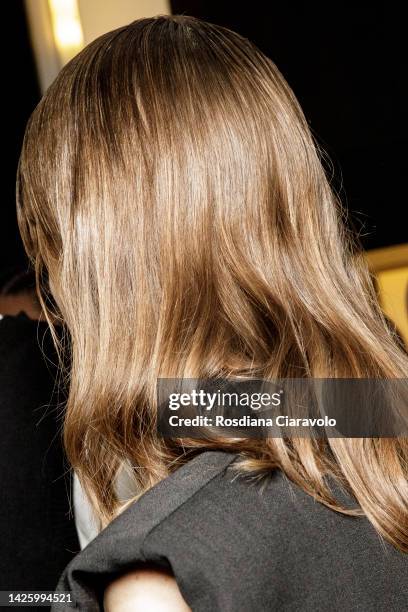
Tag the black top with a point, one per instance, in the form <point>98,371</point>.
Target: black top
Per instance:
<point>237,546</point>
<point>37,530</point>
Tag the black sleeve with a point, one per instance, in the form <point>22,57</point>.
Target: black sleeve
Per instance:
<point>37,531</point>
<point>145,534</point>
<point>242,545</point>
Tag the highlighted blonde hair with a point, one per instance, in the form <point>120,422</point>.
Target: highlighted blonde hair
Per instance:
<point>170,191</point>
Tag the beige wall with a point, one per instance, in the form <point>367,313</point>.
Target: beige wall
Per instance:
<point>393,288</point>
<point>98,17</point>
<point>390,267</point>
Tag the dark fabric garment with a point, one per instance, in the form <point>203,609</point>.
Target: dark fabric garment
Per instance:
<point>37,532</point>
<point>240,546</point>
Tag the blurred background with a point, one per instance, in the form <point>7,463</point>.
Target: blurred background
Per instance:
<point>346,65</point>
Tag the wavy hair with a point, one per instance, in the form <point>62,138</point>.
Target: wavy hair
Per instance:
<point>171,196</point>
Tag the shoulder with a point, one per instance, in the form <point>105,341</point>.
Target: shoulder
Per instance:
<point>127,539</point>
<point>214,529</point>
<point>205,524</point>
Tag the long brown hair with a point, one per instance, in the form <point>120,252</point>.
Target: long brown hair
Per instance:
<point>170,191</point>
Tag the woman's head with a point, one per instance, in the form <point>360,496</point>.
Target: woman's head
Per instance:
<point>171,190</point>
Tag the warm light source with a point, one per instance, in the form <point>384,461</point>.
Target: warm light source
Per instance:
<point>67,29</point>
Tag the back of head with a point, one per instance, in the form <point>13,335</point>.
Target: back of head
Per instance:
<point>171,189</point>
